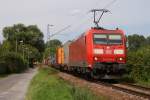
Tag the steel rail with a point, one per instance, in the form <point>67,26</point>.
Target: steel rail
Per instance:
<point>130,91</point>
<point>137,86</point>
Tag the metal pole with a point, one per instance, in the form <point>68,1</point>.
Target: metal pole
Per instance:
<point>22,48</point>
<point>48,35</point>
<point>23,52</point>
<point>27,50</point>
<point>16,46</point>
<point>28,58</point>
<point>47,32</point>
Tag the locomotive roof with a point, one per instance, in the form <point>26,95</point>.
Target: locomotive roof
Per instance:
<point>95,28</point>
<point>105,30</point>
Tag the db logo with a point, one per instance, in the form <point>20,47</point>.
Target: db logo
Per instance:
<point>108,47</point>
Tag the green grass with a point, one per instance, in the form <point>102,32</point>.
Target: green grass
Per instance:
<point>46,85</point>
<point>143,83</point>
<point>129,79</point>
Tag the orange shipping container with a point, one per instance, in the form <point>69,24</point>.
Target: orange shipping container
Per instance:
<point>60,56</point>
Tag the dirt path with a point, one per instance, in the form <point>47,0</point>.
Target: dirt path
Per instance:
<point>14,87</point>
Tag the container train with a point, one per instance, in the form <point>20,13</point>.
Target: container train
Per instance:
<point>97,53</point>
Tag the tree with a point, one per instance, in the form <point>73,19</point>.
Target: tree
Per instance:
<point>51,47</point>
<point>53,43</point>
<point>29,51</point>
<point>12,62</point>
<point>148,40</point>
<point>139,63</point>
<point>5,47</point>
<point>136,41</point>
<point>16,56</point>
<point>29,34</point>
<point>37,41</point>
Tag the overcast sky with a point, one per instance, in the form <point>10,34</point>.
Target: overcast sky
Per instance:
<point>133,16</point>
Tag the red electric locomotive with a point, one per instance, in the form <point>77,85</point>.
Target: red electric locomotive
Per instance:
<point>99,51</point>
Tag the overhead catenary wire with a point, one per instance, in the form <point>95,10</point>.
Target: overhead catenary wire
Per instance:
<point>110,4</point>
<point>97,3</point>
<point>60,31</point>
<point>84,17</point>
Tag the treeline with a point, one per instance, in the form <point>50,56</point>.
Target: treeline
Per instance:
<point>50,47</point>
<point>138,59</point>
<point>22,46</point>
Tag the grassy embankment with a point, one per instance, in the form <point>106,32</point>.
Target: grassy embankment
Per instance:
<point>146,84</point>
<point>46,85</point>
<point>128,79</point>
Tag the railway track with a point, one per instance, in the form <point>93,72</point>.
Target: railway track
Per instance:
<point>132,89</point>
<point>125,87</point>
<point>129,88</point>
<point>137,86</point>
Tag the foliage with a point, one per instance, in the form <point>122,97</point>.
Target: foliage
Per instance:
<point>28,34</point>
<point>53,43</point>
<point>46,85</point>
<point>29,51</point>
<point>83,94</point>
<point>22,45</point>
<point>139,63</point>
<point>136,41</point>
<point>148,40</point>
<point>47,52</point>
<point>5,47</point>
<point>11,62</point>
<point>51,47</point>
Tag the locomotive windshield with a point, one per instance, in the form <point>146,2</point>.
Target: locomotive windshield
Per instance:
<point>107,39</point>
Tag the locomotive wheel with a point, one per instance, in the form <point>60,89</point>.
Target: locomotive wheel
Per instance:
<point>88,76</point>
<point>96,75</point>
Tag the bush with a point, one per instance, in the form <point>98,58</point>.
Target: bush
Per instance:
<point>3,68</point>
<point>138,64</point>
<point>11,62</point>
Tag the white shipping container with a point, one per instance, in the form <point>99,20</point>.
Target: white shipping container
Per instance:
<point>66,52</point>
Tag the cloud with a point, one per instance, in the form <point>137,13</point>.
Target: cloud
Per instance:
<point>75,12</point>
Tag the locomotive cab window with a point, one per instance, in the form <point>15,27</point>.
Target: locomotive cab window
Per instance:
<point>107,39</point>
<point>114,39</point>
<point>100,39</point>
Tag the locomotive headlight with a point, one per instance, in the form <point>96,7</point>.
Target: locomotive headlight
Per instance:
<point>120,58</point>
<point>98,51</point>
<point>118,51</point>
<point>95,58</point>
